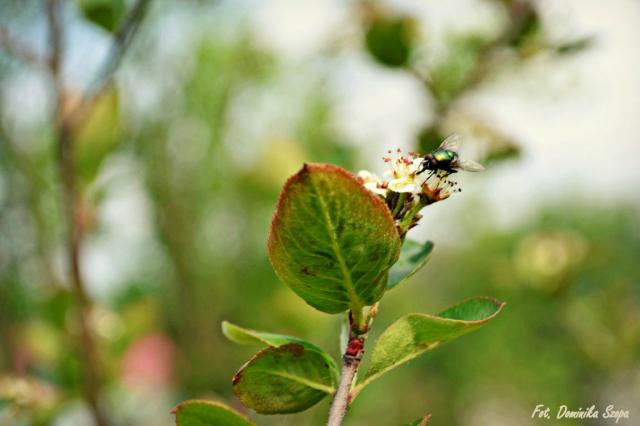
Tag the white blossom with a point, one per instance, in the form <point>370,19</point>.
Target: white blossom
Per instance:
<point>372,182</point>
<point>404,175</point>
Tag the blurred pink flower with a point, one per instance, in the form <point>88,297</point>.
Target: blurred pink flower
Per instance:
<point>148,362</point>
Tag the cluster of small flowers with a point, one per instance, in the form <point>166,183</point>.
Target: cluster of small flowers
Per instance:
<point>404,176</point>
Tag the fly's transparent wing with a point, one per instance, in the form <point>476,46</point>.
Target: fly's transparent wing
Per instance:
<point>469,166</point>
<point>452,143</point>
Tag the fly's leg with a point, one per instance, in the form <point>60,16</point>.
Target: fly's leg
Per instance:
<point>430,174</point>
<point>423,168</point>
<point>442,175</point>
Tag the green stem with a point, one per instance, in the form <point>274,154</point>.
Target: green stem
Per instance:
<point>406,222</point>
<point>358,321</point>
<point>399,204</point>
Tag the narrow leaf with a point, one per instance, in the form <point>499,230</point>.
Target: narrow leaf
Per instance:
<point>208,413</point>
<point>414,334</point>
<point>413,256</point>
<point>286,379</point>
<point>331,240</point>
<point>246,336</point>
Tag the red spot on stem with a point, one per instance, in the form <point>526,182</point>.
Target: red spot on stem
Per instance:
<point>354,347</point>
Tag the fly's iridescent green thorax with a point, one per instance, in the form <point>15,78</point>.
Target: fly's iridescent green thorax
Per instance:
<point>445,159</point>
<point>444,155</point>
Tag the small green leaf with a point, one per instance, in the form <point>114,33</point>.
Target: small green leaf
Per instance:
<point>331,240</point>
<point>286,379</point>
<point>103,13</point>
<point>413,256</point>
<point>245,336</point>
<point>390,40</point>
<point>98,134</point>
<point>414,334</point>
<point>208,413</point>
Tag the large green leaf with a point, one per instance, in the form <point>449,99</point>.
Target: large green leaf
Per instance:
<point>246,336</point>
<point>413,256</point>
<point>414,334</point>
<point>208,413</point>
<point>286,379</point>
<point>331,240</point>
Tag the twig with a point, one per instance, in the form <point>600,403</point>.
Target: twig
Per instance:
<point>519,11</point>
<point>121,42</point>
<point>341,401</point>
<point>71,197</point>
<point>350,364</point>
<point>92,376</point>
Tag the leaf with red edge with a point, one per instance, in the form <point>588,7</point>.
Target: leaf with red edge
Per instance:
<point>285,379</point>
<point>331,240</point>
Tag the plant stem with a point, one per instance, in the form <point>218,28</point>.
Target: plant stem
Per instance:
<point>64,121</point>
<point>72,212</point>
<point>121,41</point>
<point>350,364</point>
<point>406,222</point>
<point>357,321</point>
<point>342,398</point>
<point>399,204</point>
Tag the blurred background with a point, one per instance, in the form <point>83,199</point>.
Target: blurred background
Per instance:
<point>179,162</point>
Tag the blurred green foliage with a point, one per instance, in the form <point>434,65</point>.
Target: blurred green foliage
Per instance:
<point>568,333</point>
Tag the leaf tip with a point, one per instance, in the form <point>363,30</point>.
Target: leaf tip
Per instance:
<point>229,330</point>
<point>183,404</point>
<point>236,378</point>
<point>424,420</point>
<point>498,303</point>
